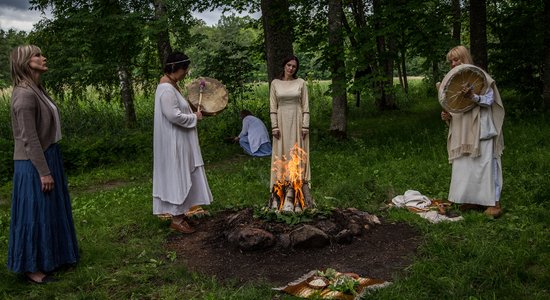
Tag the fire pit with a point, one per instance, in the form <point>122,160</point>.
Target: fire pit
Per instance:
<point>248,230</point>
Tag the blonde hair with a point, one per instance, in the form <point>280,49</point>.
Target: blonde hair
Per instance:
<point>20,58</point>
<point>462,53</point>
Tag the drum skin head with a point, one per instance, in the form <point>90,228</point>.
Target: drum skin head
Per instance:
<point>214,95</point>
<point>450,93</point>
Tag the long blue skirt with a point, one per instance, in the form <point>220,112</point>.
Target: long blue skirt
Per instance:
<point>42,234</point>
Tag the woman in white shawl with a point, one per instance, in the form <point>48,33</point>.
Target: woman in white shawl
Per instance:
<point>179,179</point>
<point>475,145</point>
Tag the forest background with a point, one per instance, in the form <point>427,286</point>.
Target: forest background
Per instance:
<point>104,59</point>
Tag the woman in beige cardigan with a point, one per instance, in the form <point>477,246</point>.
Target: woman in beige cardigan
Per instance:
<point>475,144</point>
<point>42,235</point>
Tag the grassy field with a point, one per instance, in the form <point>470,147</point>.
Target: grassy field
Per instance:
<point>122,244</point>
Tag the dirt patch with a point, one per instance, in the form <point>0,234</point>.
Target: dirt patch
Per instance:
<point>381,252</point>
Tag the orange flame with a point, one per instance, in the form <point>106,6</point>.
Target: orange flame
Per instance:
<point>289,174</point>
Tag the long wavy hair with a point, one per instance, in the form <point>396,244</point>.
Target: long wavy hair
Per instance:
<point>20,58</point>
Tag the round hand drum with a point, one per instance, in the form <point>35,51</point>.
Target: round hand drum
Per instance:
<point>214,95</point>
<point>450,92</point>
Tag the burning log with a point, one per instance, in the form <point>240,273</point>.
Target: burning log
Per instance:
<point>291,193</point>
<point>289,197</point>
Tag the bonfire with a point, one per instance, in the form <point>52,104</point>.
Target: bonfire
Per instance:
<point>290,192</point>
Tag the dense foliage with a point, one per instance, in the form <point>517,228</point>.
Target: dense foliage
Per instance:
<point>8,40</point>
<point>86,42</point>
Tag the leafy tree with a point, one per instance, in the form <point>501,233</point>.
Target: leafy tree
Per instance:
<point>8,40</point>
<point>478,32</point>
<point>363,49</point>
<point>546,78</point>
<point>430,35</point>
<point>516,45</point>
<point>160,29</point>
<point>385,48</point>
<point>101,43</point>
<point>338,118</point>
<point>227,52</point>
<point>457,21</point>
<point>278,34</point>
<point>99,39</point>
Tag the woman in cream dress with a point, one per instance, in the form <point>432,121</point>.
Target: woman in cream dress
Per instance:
<point>289,113</point>
<point>475,144</point>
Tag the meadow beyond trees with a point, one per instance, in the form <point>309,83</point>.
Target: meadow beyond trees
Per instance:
<point>129,253</point>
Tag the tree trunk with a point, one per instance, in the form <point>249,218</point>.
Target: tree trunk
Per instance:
<point>546,70</point>
<point>358,39</point>
<point>478,32</point>
<point>127,95</point>
<point>435,69</point>
<point>457,16</point>
<point>404,70</point>
<point>388,69</point>
<point>338,119</point>
<point>385,100</point>
<point>400,77</point>
<point>277,33</point>
<point>163,37</point>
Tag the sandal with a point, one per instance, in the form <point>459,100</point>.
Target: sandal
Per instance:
<point>468,206</point>
<point>182,227</point>
<point>197,211</point>
<point>165,217</point>
<point>493,211</point>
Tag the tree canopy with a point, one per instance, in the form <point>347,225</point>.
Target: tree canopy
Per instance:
<point>93,43</point>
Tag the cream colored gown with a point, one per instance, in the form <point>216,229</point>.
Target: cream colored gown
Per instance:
<point>289,112</point>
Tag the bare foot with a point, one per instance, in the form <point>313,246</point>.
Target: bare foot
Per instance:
<point>35,276</point>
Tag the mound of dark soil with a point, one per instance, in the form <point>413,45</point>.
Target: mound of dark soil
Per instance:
<point>380,252</point>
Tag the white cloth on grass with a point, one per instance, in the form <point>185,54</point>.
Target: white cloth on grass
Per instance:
<point>412,198</point>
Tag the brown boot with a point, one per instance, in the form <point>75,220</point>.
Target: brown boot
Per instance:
<point>468,206</point>
<point>493,211</point>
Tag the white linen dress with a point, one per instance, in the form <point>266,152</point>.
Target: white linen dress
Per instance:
<point>179,179</point>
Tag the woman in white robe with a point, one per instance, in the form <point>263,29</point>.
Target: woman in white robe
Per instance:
<point>475,144</point>
<point>179,179</point>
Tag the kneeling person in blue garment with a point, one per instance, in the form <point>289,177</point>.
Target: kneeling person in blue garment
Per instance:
<point>254,138</point>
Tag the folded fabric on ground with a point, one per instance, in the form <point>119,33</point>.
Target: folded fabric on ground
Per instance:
<point>304,286</point>
<point>434,211</point>
<point>412,199</point>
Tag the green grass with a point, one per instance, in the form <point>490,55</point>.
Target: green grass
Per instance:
<point>122,244</point>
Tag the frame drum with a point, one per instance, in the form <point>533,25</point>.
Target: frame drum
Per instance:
<point>450,93</point>
<point>214,95</point>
